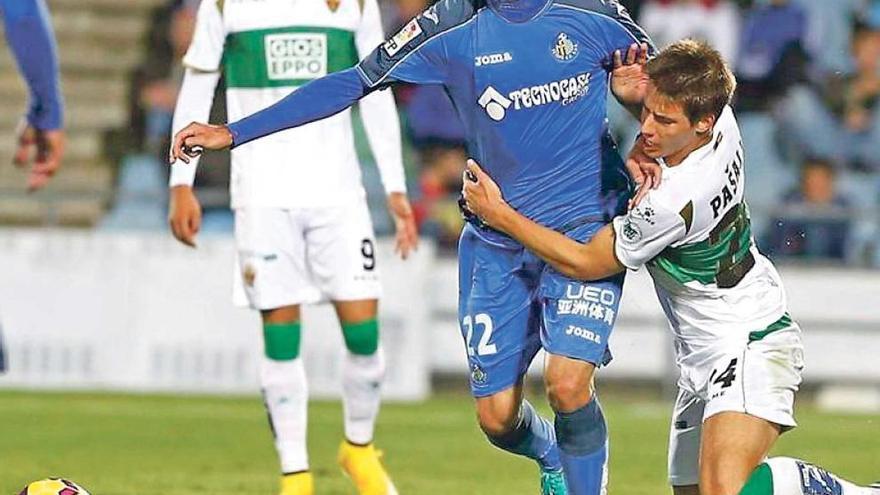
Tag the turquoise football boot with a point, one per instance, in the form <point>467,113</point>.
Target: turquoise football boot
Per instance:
<point>553,483</point>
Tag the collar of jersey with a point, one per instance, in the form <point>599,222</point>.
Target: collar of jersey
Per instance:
<point>518,11</point>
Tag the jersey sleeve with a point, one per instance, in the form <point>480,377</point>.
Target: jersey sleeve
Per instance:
<point>645,232</point>
<point>623,31</point>
<point>29,34</point>
<point>205,52</point>
<point>193,105</point>
<point>378,111</point>
<point>418,53</point>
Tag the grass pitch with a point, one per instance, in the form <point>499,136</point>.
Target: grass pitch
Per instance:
<point>132,444</point>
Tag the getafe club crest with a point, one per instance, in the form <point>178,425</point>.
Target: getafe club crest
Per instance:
<point>478,376</point>
<point>565,48</point>
<point>333,5</point>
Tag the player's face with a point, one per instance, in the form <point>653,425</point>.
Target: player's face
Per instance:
<point>666,129</point>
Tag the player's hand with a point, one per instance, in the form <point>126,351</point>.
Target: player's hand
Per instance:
<point>482,195</point>
<point>184,215</point>
<point>190,141</point>
<point>644,170</point>
<point>406,237</point>
<point>629,77</point>
<point>43,150</point>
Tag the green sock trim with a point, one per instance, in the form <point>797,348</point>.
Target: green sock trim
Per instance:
<point>361,338</point>
<point>281,340</point>
<point>760,482</point>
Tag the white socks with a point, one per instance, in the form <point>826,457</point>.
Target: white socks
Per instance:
<point>796,477</point>
<point>361,393</point>
<point>285,393</point>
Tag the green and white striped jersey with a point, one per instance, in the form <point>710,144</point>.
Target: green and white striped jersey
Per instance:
<point>268,48</point>
<point>694,235</point>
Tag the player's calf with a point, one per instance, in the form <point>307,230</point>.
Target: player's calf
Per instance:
<point>512,424</point>
<point>581,431</point>
<point>285,394</point>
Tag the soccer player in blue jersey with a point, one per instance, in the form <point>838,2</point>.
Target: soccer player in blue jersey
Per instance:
<point>41,137</point>
<point>529,80</point>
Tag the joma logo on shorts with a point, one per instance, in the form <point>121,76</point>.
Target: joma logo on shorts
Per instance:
<point>583,333</point>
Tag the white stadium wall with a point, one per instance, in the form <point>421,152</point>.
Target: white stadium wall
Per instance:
<point>139,312</point>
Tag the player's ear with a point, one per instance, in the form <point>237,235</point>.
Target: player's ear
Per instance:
<point>705,124</point>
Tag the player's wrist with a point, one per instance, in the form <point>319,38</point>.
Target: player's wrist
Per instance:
<point>504,217</point>
<point>233,135</point>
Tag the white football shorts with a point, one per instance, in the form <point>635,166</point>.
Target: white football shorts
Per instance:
<point>296,256</point>
<point>759,379</point>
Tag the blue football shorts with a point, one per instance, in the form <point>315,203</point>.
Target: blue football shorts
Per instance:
<point>512,304</point>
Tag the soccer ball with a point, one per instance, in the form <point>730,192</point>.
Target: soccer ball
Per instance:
<point>53,486</point>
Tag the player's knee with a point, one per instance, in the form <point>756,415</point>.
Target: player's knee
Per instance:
<point>361,338</point>
<point>281,341</point>
<point>567,392</point>
<point>496,421</point>
<point>715,480</point>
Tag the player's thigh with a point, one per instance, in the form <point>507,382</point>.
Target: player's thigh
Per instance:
<point>733,444</point>
<point>271,269</point>
<point>497,315</point>
<point>341,251</point>
<point>685,430</point>
<point>356,311</point>
<point>568,382</point>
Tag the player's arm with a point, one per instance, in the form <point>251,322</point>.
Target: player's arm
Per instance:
<point>630,241</point>
<point>41,138</point>
<point>202,62</point>
<point>416,54</point>
<point>193,104</point>
<point>590,261</point>
<point>381,123</point>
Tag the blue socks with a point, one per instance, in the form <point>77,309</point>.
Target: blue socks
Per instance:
<point>583,445</point>
<point>533,437</point>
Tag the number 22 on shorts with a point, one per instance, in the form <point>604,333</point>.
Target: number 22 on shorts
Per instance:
<point>484,323</point>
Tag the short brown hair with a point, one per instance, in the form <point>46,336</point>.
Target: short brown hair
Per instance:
<point>693,74</point>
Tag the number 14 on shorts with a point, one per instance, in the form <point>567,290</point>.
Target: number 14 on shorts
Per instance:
<point>723,377</point>
<point>482,323</point>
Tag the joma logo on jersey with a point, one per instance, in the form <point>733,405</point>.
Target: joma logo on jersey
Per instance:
<point>564,91</point>
<point>296,56</point>
<point>495,58</point>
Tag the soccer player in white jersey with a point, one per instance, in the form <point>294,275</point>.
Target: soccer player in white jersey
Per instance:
<point>303,233</point>
<point>739,352</point>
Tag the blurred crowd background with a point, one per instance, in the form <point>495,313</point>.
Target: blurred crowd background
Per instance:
<point>808,103</point>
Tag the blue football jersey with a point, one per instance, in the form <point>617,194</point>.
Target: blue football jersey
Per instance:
<point>531,95</point>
